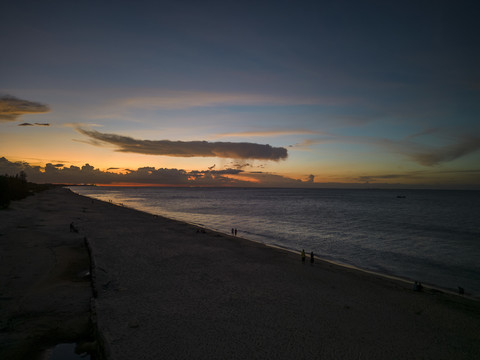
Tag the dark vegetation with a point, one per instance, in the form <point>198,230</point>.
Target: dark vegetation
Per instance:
<point>17,187</point>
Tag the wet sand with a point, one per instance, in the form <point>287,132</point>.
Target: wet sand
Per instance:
<point>164,290</point>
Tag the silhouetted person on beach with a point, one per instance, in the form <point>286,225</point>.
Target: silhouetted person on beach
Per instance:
<point>235,232</point>
<point>311,258</point>
<point>303,256</point>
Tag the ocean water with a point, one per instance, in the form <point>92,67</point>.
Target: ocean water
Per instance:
<point>432,236</point>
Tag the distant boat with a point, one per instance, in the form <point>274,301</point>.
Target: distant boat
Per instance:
<point>401,196</point>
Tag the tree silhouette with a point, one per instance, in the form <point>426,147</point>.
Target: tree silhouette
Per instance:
<point>13,188</point>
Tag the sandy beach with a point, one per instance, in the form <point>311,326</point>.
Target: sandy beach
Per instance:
<point>44,292</point>
<point>165,290</point>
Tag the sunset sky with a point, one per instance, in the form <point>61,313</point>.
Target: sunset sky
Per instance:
<point>269,93</point>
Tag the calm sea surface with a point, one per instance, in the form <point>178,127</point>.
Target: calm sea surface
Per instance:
<point>428,235</point>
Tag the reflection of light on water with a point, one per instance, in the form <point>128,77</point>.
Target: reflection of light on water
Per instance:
<point>67,352</point>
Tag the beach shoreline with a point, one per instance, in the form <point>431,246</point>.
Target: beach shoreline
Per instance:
<point>399,243</point>
<point>164,289</point>
<point>409,283</point>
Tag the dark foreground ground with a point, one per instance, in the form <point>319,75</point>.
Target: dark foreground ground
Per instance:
<point>45,292</point>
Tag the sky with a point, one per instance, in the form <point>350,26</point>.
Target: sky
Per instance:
<point>340,93</point>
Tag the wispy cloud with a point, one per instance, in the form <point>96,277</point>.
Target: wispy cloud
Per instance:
<point>421,176</point>
<point>267,133</point>
<point>427,154</point>
<point>305,144</point>
<point>189,99</point>
<point>410,146</point>
<point>11,108</point>
<point>35,124</point>
<point>186,148</point>
<point>434,156</point>
<point>429,131</point>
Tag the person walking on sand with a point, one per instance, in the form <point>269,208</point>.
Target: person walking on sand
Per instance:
<point>311,258</point>
<point>303,256</point>
<point>235,232</point>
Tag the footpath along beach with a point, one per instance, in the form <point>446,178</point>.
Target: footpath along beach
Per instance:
<point>164,290</point>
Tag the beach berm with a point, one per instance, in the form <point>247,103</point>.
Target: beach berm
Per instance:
<point>164,290</point>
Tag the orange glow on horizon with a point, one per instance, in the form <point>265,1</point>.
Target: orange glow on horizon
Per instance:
<point>125,184</point>
<point>117,171</point>
<point>243,178</point>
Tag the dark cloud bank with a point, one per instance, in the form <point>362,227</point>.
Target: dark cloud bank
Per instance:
<point>87,174</point>
<point>187,148</point>
<point>11,108</point>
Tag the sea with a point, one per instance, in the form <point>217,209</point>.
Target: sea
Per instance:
<point>431,236</point>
